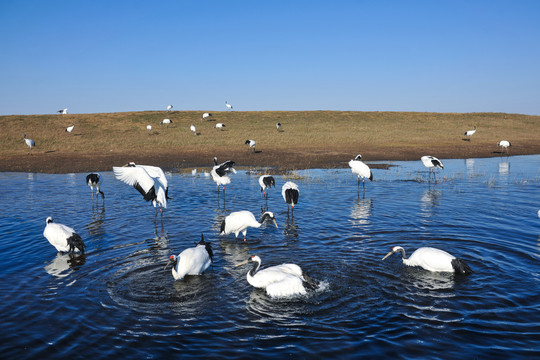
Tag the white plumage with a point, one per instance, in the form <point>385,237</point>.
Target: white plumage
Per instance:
<point>360,169</point>
<point>30,143</point>
<point>238,222</point>
<point>206,115</point>
<point>220,173</point>
<point>192,128</point>
<point>191,261</point>
<point>432,163</point>
<point>63,111</point>
<point>251,144</point>
<point>290,193</point>
<point>169,108</point>
<point>166,122</point>
<point>229,106</point>
<point>149,127</point>
<point>266,182</point>
<point>62,237</point>
<point>151,187</point>
<point>504,144</point>
<point>278,126</point>
<point>279,281</point>
<point>69,129</point>
<point>470,133</point>
<point>219,126</point>
<point>432,259</point>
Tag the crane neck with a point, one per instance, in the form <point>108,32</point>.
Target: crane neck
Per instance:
<point>256,266</point>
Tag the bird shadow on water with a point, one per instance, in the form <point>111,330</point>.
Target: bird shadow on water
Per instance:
<point>291,229</point>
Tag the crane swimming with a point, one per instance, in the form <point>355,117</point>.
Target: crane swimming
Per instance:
<point>239,221</point>
<point>279,281</point>
<point>432,259</point>
<point>191,261</point>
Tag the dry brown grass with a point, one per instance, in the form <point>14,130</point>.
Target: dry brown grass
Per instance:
<point>309,134</point>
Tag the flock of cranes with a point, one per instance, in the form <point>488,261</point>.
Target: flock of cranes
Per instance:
<point>278,281</point>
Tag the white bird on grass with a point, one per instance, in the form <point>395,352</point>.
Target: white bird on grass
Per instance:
<point>251,144</point>
<point>149,128</point>
<point>432,163</point>
<point>192,128</point>
<point>169,108</point>
<point>432,259</point>
<point>206,115</point>
<point>95,180</point>
<point>63,111</point>
<point>219,126</point>
<point>278,126</point>
<point>69,129</point>
<point>149,186</point>
<point>504,144</point>
<point>290,194</point>
<point>191,261</point>
<point>238,222</point>
<point>279,281</point>
<point>166,122</point>
<point>470,133</point>
<point>361,170</point>
<point>62,237</point>
<point>30,143</point>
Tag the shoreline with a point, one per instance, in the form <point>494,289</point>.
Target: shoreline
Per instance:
<point>275,162</point>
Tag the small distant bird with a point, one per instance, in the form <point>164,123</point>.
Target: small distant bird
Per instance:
<point>432,259</point>
<point>431,162</point>
<point>219,126</point>
<point>238,222</point>
<point>69,129</point>
<point>62,237</point>
<point>169,108</point>
<point>191,261</point>
<point>149,128</point>
<point>266,182</point>
<point>229,106</point>
<point>470,133</point>
<point>504,144</point>
<point>206,116</point>
<point>166,122</point>
<point>95,180</point>
<point>192,128</point>
<point>361,170</point>
<point>251,144</point>
<point>290,194</point>
<point>30,143</point>
<point>149,186</point>
<point>63,111</point>
<point>279,281</point>
<point>220,173</point>
<point>278,126</point>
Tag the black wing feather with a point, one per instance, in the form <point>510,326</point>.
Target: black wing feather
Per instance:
<point>75,241</point>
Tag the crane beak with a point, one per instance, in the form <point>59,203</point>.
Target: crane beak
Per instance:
<point>167,264</point>
<point>275,223</point>
<point>387,255</point>
<point>242,263</point>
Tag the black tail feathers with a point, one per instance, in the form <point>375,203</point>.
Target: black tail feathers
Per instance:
<point>75,241</point>
<point>460,267</point>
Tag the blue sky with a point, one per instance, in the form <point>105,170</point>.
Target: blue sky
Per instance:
<point>114,56</point>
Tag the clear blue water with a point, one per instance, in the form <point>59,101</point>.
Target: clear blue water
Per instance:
<point>118,301</point>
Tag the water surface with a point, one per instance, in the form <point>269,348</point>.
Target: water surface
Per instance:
<point>118,301</point>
